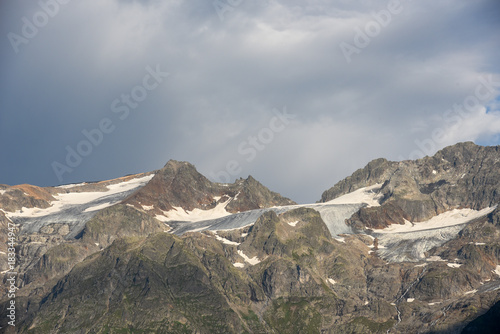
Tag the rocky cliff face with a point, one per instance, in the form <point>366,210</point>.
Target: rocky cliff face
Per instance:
<point>463,175</point>
<point>180,185</point>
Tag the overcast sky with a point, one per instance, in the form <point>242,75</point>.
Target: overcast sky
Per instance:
<point>298,94</point>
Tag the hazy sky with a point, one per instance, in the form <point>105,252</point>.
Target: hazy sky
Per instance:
<point>298,94</point>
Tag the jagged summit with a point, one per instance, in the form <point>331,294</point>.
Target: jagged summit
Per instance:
<point>459,176</point>
<point>180,187</point>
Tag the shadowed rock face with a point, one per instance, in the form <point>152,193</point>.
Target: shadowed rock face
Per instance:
<point>463,175</point>
<point>485,324</point>
<point>117,222</point>
<point>179,184</point>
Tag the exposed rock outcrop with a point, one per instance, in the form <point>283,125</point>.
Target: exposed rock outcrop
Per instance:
<point>463,175</point>
<point>179,184</point>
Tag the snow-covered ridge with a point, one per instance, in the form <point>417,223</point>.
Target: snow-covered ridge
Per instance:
<point>72,185</point>
<point>179,214</point>
<point>411,241</point>
<point>446,219</point>
<point>75,208</point>
<point>79,198</point>
<point>369,195</point>
<point>333,215</point>
<point>408,242</point>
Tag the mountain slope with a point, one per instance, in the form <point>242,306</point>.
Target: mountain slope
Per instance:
<point>283,274</point>
<point>463,175</point>
<point>179,191</point>
<point>57,227</point>
<point>398,247</point>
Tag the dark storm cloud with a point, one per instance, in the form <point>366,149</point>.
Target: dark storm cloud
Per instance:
<point>226,78</point>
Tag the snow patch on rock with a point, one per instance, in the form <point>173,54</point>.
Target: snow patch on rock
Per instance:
<point>81,198</point>
<point>72,185</point>
<point>497,270</point>
<point>179,214</point>
<point>369,195</point>
<point>226,241</point>
<point>253,261</point>
<point>446,219</point>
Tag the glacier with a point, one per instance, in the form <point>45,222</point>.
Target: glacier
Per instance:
<point>74,208</point>
<point>334,216</point>
<point>397,243</point>
<point>411,241</point>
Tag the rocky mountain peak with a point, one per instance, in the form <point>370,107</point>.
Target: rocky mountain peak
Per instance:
<point>176,167</point>
<point>179,186</point>
<point>461,151</point>
<point>458,176</point>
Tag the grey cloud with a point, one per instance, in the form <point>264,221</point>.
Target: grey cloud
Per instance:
<point>226,78</point>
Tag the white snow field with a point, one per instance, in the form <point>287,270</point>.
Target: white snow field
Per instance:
<point>179,214</point>
<point>369,195</point>
<point>397,243</point>
<point>334,216</point>
<point>410,241</point>
<point>334,213</point>
<point>75,208</point>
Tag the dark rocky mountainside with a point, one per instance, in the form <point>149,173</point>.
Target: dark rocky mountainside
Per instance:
<point>463,175</point>
<point>284,274</point>
<point>125,272</point>
<point>179,184</point>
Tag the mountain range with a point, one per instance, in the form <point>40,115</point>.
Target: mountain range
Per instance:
<point>397,247</point>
